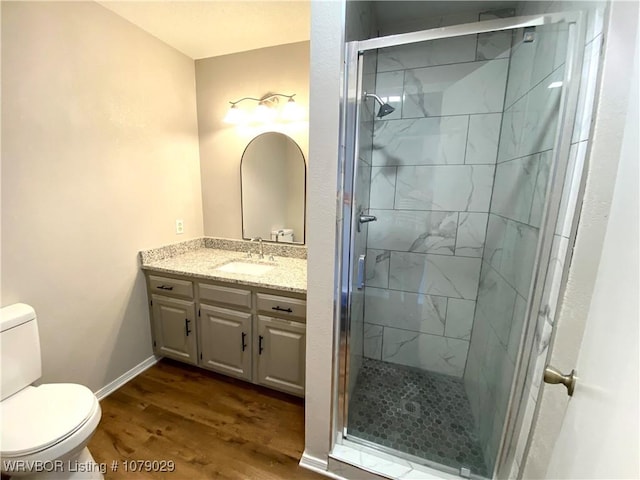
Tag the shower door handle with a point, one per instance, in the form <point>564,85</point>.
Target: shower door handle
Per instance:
<point>360,281</point>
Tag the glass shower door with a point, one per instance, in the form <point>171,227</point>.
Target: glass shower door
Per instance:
<point>457,142</point>
<point>360,219</point>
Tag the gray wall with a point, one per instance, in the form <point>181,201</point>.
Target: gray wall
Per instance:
<point>99,158</point>
<point>219,80</point>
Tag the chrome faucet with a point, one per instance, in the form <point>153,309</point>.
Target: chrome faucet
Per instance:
<point>259,239</point>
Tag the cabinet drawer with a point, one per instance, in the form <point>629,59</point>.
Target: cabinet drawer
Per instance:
<point>282,306</point>
<point>225,313</point>
<point>226,295</point>
<point>171,286</point>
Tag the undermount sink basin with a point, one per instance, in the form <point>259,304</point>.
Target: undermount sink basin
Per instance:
<point>245,268</point>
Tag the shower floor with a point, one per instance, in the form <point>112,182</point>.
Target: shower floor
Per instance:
<point>421,413</point>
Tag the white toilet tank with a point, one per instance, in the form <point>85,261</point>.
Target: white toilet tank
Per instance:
<point>20,362</point>
<point>282,235</point>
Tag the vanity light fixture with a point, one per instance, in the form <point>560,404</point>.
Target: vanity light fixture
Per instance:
<point>266,110</point>
<point>292,111</point>
<point>235,115</point>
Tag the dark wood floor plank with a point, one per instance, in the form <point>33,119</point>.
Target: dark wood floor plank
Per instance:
<point>209,425</point>
<point>279,430</point>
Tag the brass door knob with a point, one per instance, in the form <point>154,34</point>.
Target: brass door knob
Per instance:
<point>554,376</point>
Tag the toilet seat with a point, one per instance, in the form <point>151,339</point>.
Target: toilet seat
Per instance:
<point>37,418</point>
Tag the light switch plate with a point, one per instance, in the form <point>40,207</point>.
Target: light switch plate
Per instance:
<point>179,226</point>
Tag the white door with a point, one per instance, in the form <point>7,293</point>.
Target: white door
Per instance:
<point>600,429</point>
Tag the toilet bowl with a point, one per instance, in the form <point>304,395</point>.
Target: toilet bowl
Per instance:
<point>45,429</point>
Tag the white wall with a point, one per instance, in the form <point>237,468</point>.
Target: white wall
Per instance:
<point>99,157</point>
<point>599,435</point>
<point>219,80</point>
<point>326,60</point>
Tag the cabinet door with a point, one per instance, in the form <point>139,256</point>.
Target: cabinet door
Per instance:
<point>174,328</point>
<point>281,353</point>
<point>225,341</point>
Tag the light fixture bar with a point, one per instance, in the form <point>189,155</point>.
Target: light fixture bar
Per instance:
<point>267,97</point>
<point>266,111</point>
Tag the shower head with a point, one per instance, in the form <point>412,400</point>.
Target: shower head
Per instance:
<point>385,108</point>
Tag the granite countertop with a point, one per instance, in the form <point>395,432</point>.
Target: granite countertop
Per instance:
<point>289,274</point>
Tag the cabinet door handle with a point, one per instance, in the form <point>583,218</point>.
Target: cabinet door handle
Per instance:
<point>165,287</point>
<point>244,345</point>
<point>280,309</point>
<point>186,326</point>
<point>260,348</point>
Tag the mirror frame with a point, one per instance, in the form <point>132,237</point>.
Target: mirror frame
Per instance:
<point>304,191</point>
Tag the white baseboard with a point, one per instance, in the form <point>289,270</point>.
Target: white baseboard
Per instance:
<point>317,465</point>
<point>126,376</point>
<point>313,463</point>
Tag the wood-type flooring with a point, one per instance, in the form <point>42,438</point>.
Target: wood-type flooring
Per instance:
<point>208,425</point>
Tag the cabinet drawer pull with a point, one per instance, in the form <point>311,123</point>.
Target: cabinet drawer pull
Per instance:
<point>280,309</point>
<point>165,287</point>
<point>260,348</point>
<point>186,326</point>
<point>244,345</point>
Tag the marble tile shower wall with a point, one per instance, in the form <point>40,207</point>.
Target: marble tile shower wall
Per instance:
<point>522,171</point>
<point>432,170</point>
<point>361,199</point>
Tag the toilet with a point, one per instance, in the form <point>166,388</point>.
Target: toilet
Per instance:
<point>45,429</point>
<point>282,235</point>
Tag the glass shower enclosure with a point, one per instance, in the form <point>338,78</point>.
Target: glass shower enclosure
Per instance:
<point>456,143</point>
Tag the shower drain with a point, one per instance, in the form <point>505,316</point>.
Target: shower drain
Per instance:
<point>411,407</point>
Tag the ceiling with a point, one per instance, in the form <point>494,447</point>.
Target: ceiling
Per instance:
<point>389,12</point>
<point>209,28</point>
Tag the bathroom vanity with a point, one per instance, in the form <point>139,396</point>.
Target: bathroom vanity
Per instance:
<point>215,304</point>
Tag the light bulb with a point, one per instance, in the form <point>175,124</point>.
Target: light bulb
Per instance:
<point>292,111</point>
<point>234,115</point>
<point>264,114</point>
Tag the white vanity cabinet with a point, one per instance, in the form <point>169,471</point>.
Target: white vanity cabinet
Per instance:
<point>281,352</point>
<point>281,340</point>
<point>225,320</point>
<point>252,333</point>
<point>173,319</point>
<point>225,341</point>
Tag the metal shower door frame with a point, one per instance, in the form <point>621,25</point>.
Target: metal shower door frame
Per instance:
<point>351,99</point>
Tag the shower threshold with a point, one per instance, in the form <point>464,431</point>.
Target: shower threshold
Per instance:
<point>424,415</point>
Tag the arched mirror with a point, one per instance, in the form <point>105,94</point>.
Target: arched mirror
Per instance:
<point>273,185</point>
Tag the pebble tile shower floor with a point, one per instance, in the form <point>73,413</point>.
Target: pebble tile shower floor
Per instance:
<point>422,413</point>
